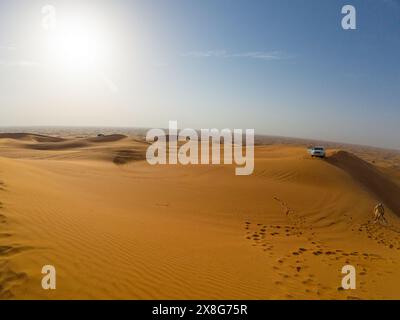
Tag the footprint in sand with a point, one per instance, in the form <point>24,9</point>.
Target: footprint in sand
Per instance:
<point>292,267</point>
<point>388,236</point>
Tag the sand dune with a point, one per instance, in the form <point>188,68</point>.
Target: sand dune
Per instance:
<point>116,227</point>
<point>107,138</point>
<point>116,148</point>
<point>370,177</point>
<point>30,137</point>
<point>65,145</point>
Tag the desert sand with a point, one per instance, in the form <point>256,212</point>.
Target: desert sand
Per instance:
<point>117,228</point>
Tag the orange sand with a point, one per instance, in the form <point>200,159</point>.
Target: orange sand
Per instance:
<point>117,228</point>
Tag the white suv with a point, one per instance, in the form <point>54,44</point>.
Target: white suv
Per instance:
<point>317,152</point>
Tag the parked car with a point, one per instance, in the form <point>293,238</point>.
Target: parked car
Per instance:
<point>317,152</point>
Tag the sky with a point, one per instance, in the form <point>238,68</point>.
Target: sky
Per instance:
<point>281,67</point>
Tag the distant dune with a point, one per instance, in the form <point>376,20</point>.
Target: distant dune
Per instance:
<point>30,137</point>
<point>107,138</point>
<point>116,148</point>
<point>117,228</point>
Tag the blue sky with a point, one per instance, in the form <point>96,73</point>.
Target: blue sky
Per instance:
<point>282,67</point>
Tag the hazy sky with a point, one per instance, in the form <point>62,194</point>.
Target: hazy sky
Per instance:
<point>282,67</point>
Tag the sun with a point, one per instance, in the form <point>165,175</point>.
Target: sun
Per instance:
<point>75,45</point>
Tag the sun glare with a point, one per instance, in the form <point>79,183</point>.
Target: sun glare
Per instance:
<point>75,46</point>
